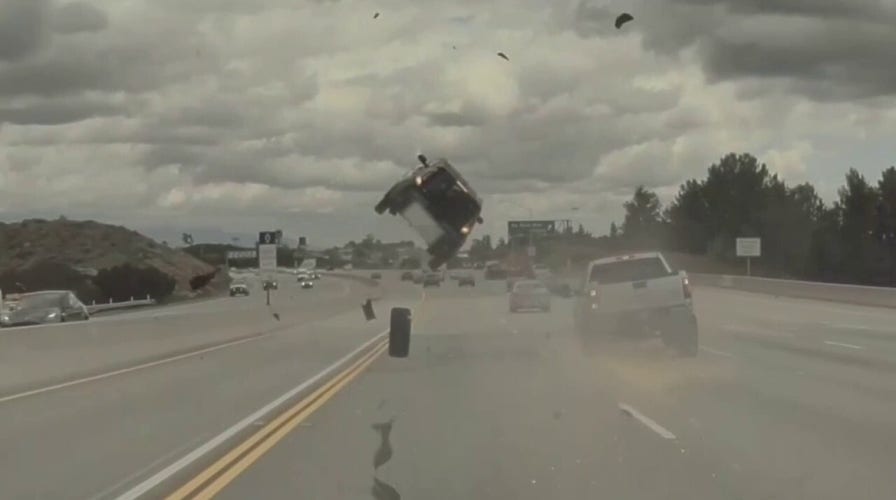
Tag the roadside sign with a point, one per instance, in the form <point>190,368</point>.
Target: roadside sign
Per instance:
<point>268,237</point>
<point>267,257</point>
<point>242,254</point>
<point>523,228</point>
<point>749,247</point>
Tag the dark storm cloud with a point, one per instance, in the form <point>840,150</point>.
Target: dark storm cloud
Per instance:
<point>57,112</point>
<point>23,28</point>
<point>830,51</point>
<point>78,17</point>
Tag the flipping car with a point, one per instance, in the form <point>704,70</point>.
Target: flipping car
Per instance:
<point>439,204</point>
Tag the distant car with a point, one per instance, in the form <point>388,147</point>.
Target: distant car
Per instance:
<point>37,308</point>
<point>407,276</point>
<point>376,276</point>
<point>418,277</point>
<point>439,204</point>
<point>432,279</point>
<point>303,277</point>
<point>466,279</point>
<point>529,294</point>
<point>239,289</point>
<point>270,285</point>
<point>314,275</point>
<point>306,283</point>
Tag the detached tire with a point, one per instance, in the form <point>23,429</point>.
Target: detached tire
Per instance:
<point>400,332</point>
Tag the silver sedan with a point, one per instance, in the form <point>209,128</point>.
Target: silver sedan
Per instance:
<point>529,294</point>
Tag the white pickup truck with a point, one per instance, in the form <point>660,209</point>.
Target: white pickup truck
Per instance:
<point>637,295</point>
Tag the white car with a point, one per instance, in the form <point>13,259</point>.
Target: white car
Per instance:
<point>637,295</point>
<point>529,294</point>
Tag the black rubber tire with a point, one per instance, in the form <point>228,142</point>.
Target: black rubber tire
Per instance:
<point>400,332</point>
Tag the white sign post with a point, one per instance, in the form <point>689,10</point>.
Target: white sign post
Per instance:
<point>749,247</point>
<point>267,257</point>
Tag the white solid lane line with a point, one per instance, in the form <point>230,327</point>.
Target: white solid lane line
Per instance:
<point>716,351</point>
<point>840,344</point>
<point>647,421</point>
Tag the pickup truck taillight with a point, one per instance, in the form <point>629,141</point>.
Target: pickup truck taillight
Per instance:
<point>686,287</point>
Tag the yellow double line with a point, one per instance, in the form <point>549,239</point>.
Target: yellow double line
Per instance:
<point>213,479</point>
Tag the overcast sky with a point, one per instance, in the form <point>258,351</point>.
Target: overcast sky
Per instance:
<point>240,115</point>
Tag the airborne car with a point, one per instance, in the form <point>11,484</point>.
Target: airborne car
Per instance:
<point>439,204</point>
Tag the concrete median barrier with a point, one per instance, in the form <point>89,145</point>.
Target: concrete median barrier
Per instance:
<point>834,292</point>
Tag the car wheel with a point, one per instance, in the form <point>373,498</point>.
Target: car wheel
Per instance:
<point>400,332</point>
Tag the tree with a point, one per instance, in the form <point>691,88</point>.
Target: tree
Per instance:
<point>481,249</point>
<point>614,232</point>
<point>642,218</point>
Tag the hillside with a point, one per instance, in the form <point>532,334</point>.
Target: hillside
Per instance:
<point>89,246</point>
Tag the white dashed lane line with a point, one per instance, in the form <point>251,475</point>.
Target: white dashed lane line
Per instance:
<point>716,351</point>
<point>647,421</point>
<point>840,344</point>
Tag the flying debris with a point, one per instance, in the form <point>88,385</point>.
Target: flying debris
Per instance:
<point>503,56</point>
<point>623,18</point>
<point>276,316</point>
<point>376,15</point>
<point>367,308</point>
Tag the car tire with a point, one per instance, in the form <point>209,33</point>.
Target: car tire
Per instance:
<point>400,332</point>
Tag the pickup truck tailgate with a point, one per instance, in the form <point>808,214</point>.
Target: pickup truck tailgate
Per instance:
<point>643,294</point>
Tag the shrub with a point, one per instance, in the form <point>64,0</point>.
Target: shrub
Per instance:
<point>122,282</point>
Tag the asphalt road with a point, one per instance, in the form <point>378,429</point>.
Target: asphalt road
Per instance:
<point>787,399</point>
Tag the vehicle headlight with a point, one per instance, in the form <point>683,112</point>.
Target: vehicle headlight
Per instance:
<point>593,293</point>
<point>465,230</point>
<point>418,180</point>
<point>52,315</point>
<point>4,318</point>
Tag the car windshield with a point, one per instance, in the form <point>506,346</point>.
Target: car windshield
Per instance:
<point>628,270</point>
<point>41,301</point>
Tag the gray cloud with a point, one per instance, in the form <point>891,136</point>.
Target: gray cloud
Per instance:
<point>57,112</point>
<point>237,109</point>
<point>23,26</point>
<point>78,17</point>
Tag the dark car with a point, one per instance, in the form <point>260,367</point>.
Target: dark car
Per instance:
<point>439,204</point>
<point>407,276</point>
<point>376,276</point>
<point>466,279</point>
<point>239,289</point>
<point>54,306</point>
<point>432,279</point>
<point>270,285</point>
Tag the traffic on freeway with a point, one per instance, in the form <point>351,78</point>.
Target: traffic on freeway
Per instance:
<point>488,404</point>
<point>447,250</point>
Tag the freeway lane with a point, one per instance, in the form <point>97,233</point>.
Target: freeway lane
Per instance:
<point>38,356</point>
<point>98,439</point>
<point>493,405</point>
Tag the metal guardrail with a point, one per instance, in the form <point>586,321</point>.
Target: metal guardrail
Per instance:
<point>834,292</point>
<point>109,306</point>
